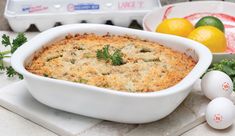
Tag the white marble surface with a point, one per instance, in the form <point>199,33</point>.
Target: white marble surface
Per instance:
<point>205,130</point>
<point>16,98</point>
<point>14,125</point>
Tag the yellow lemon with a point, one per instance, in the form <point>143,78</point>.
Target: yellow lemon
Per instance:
<point>211,37</point>
<point>176,26</point>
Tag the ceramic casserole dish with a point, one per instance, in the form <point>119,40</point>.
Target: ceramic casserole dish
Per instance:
<point>105,103</point>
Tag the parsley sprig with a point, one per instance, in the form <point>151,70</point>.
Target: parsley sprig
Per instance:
<point>16,43</point>
<point>115,58</point>
<point>103,54</point>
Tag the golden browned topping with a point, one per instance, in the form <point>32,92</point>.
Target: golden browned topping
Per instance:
<point>140,65</point>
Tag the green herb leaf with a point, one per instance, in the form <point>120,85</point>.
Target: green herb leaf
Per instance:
<point>104,53</point>
<point>228,70</point>
<point>45,75</point>
<point>1,62</point>
<point>83,80</point>
<point>11,72</point>
<point>18,41</point>
<point>6,40</point>
<point>117,58</point>
<point>1,66</point>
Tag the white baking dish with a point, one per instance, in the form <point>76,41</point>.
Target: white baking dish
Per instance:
<point>105,103</point>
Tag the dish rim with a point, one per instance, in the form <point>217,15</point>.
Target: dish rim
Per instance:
<point>18,59</point>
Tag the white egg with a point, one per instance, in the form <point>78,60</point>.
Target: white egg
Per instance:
<point>216,84</point>
<point>220,113</point>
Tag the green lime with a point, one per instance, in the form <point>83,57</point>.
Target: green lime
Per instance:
<point>210,21</point>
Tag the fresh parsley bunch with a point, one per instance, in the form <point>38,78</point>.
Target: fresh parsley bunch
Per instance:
<point>16,43</point>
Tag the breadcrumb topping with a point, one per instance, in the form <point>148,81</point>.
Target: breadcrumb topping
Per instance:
<point>147,66</point>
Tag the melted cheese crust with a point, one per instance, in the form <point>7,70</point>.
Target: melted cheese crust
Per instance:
<point>147,66</point>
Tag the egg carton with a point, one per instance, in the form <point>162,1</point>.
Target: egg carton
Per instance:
<point>44,14</point>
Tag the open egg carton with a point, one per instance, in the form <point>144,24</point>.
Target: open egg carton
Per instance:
<point>44,14</point>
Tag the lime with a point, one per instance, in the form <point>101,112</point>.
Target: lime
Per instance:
<point>175,26</point>
<point>210,21</point>
<point>211,37</point>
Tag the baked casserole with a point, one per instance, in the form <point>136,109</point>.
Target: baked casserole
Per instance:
<point>121,63</point>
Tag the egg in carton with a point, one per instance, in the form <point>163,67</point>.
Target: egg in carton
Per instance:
<point>44,14</point>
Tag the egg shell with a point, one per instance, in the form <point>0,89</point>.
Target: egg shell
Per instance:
<point>216,84</point>
<point>220,113</point>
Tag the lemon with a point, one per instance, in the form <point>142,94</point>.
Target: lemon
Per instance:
<point>211,21</point>
<point>211,37</point>
<point>176,26</point>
